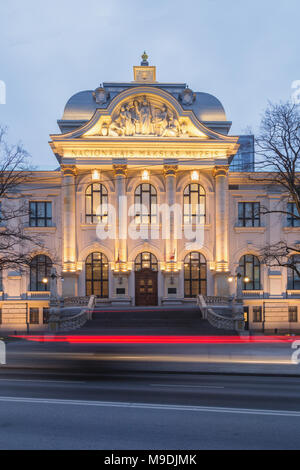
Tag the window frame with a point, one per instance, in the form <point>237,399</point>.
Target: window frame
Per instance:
<point>188,293</point>
<point>151,217</point>
<point>242,215</point>
<point>254,283</point>
<point>257,310</point>
<point>293,313</point>
<point>188,217</point>
<point>292,221</point>
<point>139,261</point>
<point>102,279</point>
<point>34,219</point>
<point>292,277</point>
<point>43,270</point>
<point>34,320</point>
<point>103,202</point>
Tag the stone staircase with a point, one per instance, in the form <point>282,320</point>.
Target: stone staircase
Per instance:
<point>185,320</point>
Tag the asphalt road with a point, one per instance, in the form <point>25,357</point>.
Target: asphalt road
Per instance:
<point>40,410</point>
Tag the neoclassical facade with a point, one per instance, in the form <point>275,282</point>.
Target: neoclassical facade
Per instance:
<point>144,209</point>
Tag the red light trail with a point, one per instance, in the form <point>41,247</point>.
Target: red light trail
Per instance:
<point>96,339</point>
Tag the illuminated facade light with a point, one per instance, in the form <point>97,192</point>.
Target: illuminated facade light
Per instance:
<point>95,175</point>
<point>145,175</point>
<point>195,175</point>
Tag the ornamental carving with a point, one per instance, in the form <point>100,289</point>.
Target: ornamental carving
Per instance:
<point>140,117</point>
<point>101,96</point>
<point>187,97</point>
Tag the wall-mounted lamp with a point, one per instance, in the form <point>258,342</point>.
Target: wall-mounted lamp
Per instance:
<point>95,175</point>
<point>195,175</point>
<point>145,175</point>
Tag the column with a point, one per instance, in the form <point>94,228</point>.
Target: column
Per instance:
<point>121,213</point>
<point>120,294</point>
<point>69,232</point>
<point>171,278</point>
<point>170,178</point>
<point>221,239</point>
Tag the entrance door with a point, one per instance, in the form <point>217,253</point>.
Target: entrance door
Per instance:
<point>146,287</point>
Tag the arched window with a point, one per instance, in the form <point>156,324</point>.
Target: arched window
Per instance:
<point>194,274</point>
<point>293,277</point>
<point>251,268</point>
<point>40,268</point>
<point>145,260</point>
<point>194,204</point>
<point>145,203</point>
<point>96,201</point>
<point>96,275</point>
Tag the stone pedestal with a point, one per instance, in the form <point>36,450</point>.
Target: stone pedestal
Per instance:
<point>222,284</point>
<point>69,285</point>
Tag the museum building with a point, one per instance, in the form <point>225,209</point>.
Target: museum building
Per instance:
<point>127,152</point>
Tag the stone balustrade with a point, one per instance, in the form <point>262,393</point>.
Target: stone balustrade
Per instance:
<point>219,320</point>
<point>73,322</point>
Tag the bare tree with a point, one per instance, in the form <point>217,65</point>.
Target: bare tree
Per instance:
<point>278,158</point>
<point>16,245</point>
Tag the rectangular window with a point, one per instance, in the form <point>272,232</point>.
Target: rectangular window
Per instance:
<point>293,314</point>
<point>249,214</point>
<point>34,316</point>
<point>40,214</point>
<point>293,218</point>
<point>257,314</point>
<point>45,315</point>
<point>0,316</point>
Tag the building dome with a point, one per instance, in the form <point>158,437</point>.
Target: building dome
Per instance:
<point>207,107</point>
<point>80,106</point>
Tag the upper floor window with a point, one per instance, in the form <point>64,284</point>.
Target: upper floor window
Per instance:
<point>194,204</point>
<point>293,276</point>
<point>40,214</point>
<point>96,204</point>
<point>249,214</point>
<point>251,269</point>
<point>145,204</point>
<point>293,218</point>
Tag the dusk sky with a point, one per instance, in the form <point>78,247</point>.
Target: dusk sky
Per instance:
<point>245,53</point>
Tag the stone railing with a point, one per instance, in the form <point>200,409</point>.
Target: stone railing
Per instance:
<point>215,299</point>
<point>59,324</point>
<point>218,320</point>
<point>76,301</point>
<point>38,295</point>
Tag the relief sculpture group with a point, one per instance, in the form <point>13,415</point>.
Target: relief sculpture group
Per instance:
<point>140,117</point>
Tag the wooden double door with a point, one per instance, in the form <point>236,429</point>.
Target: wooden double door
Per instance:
<point>145,287</point>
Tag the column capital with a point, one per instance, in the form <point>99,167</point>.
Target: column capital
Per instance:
<point>69,170</point>
<point>221,170</point>
<point>120,169</point>
<point>170,170</point>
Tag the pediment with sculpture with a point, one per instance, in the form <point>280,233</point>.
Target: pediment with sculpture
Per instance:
<point>140,116</point>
